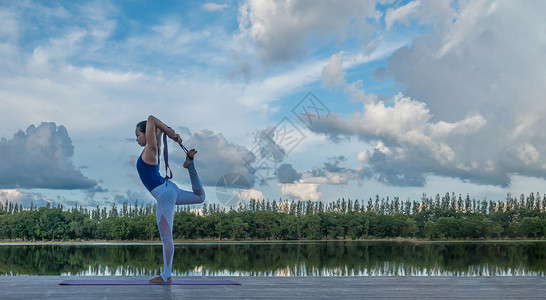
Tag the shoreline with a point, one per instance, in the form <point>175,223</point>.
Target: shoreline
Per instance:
<point>228,242</point>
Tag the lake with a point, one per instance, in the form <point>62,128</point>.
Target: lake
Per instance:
<point>322,258</point>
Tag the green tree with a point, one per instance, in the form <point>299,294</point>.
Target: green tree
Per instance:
<point>514,229</point>
<point>531,227</point>
<point>472,226</point>
<point>288,227</point>
<point>410,228</point>
<point>366,228</point>
<point>118,228</point>
<point>355,225</point>
<point>310,227</point>
<point>7,226</point>
<point>52,224</point>
<point>239,229</point>
<point>25,224</point>
<point>429,230</point>
<point>185,225</point>
<point>399,224</point>
<point>267,225</point>
<point>89,228</point>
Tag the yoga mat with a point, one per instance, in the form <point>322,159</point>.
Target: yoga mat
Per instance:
<point>146,282</point>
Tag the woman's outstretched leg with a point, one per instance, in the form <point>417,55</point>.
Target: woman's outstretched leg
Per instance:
<point>198,194</point>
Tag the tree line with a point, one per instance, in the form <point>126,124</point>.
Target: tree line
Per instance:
<point>439,217</point>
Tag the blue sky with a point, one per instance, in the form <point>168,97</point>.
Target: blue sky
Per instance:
<point>403,97</point>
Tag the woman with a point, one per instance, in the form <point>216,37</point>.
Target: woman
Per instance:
<point>165,192</point>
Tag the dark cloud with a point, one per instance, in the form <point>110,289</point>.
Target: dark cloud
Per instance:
<point>267,153</point>
<point>334,173</point>
<point>243,67</point>
<point>380,74</point>
<point>266,147</point>
<point>216,158</point>
<point>90,193</point>
<point>287,174</point>
<point>40,158</point>
<point>396,173</point>
<point>333,165</point>
<point>143,197</point>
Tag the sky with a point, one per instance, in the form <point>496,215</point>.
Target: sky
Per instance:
<point>298,100</point>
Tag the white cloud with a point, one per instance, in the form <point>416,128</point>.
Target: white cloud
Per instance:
<point>459,124</point>
<point>214,6</point>
<point>466,111</point>
<point>280,29</point>
<point>466,126</point>
<point>528,153</point>
<point>332,74</point>
<point>326,178</point>
<point>62,48</point>
<point>408,123</point>
<point>475,62</point>
<point>401,14</point>
<point>10,194</point>
<point>170,36</point>
<point>19,197</point>
<point>409,143</point>
<point>364,156</point>
<point>436,12</point>
<point>465,23</point>
<point>249,194</point>
<point>9,27</point>
<point>382,148</point>
<point>92,74</point>
<point>525,125</point>
<point>302,191</point>
<point>114,73</point>
<point>472,65</point>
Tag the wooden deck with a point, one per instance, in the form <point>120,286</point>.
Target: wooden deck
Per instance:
<point>46,287</point>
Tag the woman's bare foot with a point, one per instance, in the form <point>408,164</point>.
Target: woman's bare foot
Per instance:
<point>159,279</point>
<point>189,156</point>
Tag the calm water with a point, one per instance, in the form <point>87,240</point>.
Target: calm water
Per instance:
<point>280,259</point>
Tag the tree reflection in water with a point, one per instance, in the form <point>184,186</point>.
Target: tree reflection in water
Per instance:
<point>333,258</point>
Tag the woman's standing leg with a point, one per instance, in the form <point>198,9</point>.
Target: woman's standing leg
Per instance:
<point>165,217</point>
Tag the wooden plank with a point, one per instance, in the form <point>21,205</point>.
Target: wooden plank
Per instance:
<point>46,287</point>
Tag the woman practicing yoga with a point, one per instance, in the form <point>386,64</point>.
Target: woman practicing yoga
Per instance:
<point>165,192</point>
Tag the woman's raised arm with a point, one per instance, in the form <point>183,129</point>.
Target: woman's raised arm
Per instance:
<point>153,125</point>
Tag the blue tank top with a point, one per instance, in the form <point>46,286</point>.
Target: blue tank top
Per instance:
<point>149,174</point>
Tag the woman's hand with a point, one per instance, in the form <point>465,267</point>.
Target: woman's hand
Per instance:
<point>173,135</point>
<point>177,138</point>
<point>161,127</point>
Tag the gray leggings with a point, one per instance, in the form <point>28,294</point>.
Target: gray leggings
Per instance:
<point>167,196</point>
